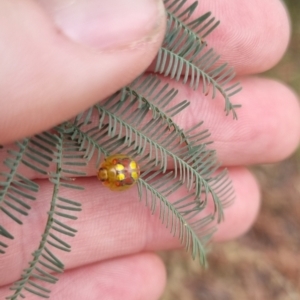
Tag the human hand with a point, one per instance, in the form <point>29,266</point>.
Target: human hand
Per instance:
<point>111,256</point>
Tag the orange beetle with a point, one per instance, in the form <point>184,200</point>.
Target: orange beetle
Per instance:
<point>119,172</point>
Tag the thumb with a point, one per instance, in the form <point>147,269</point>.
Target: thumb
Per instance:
<point>60,57</point>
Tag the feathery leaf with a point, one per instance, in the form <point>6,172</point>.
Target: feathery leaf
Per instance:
<point>44,260</point>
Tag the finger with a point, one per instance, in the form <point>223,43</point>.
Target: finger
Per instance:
<point>267,129</point>
<point>252,36</point>
<point>59,60</point>
<point>135,277</point>
<point>268,125</point>
<point>115,224</point>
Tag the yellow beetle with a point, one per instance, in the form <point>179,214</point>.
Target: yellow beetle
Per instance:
<point>119,172</point>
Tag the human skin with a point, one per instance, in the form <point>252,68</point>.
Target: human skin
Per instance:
<point>55,64</point>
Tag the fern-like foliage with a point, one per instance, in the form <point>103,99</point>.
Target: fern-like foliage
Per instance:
<point>197,29</point>
<point>183,54</point>
<point>44,261</point>
<point>16,189</point>
<point>159,145</point>
<point>180,178</point>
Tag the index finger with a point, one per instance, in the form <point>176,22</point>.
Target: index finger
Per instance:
<point>253,35</point>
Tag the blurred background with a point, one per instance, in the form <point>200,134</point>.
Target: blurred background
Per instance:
<point>265,263</point>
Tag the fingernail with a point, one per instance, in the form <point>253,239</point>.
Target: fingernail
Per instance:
<point>106,24</point>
